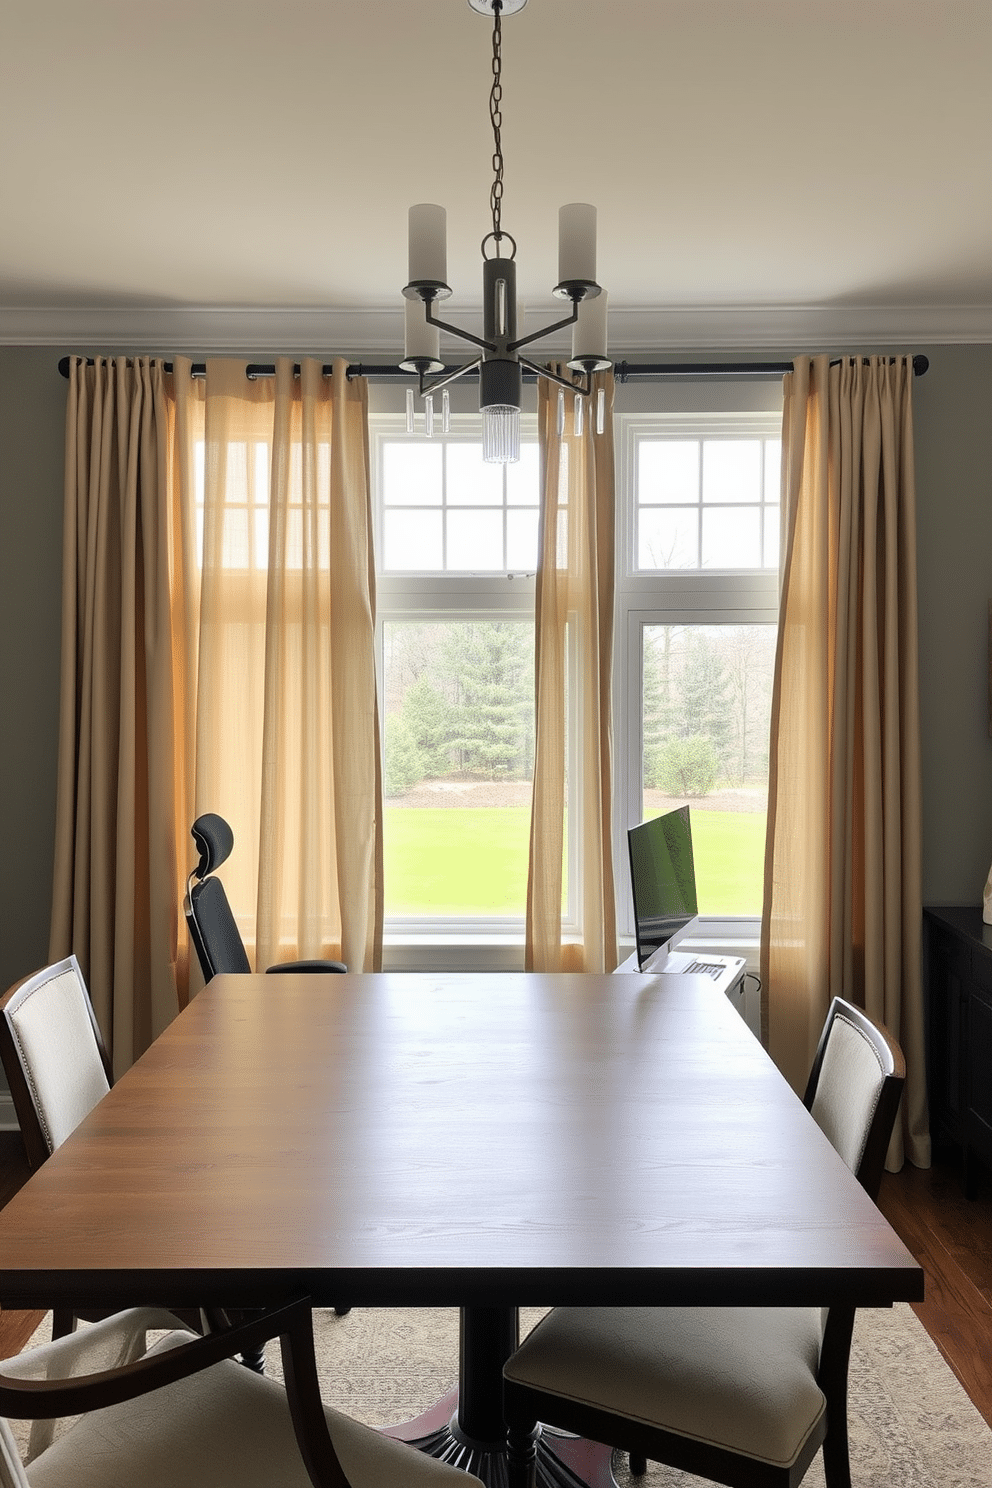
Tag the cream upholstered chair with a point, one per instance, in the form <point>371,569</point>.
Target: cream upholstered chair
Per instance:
<point>738,1395</point>
<point>53,1056</point>
<point>183,1413</point>
<point>56,1064</point>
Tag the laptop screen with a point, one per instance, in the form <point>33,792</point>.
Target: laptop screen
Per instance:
<point>663,880</point>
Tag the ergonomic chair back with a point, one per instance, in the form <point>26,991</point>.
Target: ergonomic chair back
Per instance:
<point>213,929</point>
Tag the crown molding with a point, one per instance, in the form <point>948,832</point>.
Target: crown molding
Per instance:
<point>378,330</point>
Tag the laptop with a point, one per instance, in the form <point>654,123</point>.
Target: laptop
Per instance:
<point>663,884</point>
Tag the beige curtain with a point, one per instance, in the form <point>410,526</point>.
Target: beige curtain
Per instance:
<point>574,639</point>
<point>280,691</point>
<point>842,909</point>
<point>114,895</point>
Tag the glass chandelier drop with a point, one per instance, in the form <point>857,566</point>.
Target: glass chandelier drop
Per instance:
<point>500,364</point>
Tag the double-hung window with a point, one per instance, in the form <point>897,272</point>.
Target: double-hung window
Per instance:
<point>697,585</point>
<point>457,554</point>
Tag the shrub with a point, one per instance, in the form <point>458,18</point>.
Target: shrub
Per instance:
<point>683,767</point>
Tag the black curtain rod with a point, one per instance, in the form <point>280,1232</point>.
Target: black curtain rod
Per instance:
<point>623,371</point>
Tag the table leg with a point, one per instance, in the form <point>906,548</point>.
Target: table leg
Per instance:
<point>473,1436</point>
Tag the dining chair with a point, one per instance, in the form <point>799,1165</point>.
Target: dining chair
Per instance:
<point>213,929</point>
<point>56,1065</point>
<point>739,1395</point>
<point>181,1411</point>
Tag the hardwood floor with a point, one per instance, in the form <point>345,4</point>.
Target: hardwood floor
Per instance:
<point>949,1235</point>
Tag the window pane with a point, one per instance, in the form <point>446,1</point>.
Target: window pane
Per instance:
<point>411,474</point>
<point>523,476</point>
<point>706,693</point>
<point>668,470</point>
<point>667,539</point>
<point>412,540</point>
<point>732,538</point>
<point>732,470</point>
<point>773,533</point>
<point>459,742</point>
<point>471,482</point>
<point>475,540</point>
<point>521,540</point>
<point>773,469</point>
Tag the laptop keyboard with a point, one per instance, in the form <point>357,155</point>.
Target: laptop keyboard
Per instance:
<point>711,968</point>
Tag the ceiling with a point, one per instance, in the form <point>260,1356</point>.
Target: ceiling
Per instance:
<point>761,168</point>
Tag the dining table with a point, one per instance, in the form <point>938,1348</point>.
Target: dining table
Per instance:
<point>480,1141</point>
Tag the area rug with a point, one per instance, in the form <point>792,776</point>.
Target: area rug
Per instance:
<point>911,1423</point>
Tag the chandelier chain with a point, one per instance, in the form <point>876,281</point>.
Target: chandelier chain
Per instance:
<point>496,119</point>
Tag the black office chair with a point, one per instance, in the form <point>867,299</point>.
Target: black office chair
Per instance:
<point>212,926</point>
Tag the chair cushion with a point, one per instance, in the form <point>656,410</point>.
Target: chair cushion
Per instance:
<point>225,1427</point>
<point>739,1378</point>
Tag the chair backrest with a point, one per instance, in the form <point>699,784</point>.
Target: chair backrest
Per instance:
<point>854,1089</point>
<point>212,927</point>
<point>53,1055</point>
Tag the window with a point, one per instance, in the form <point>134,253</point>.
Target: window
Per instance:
<point>458,552</point>
<point>697,604</point>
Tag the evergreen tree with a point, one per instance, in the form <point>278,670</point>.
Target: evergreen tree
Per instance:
<point>492,663</point>
<point>429,717</point>
<point>704,695</point>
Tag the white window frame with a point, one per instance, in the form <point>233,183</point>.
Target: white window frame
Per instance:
<point>668,597</point>
<point>495,941</point>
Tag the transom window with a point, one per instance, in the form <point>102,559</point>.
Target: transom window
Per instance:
<point>444,511</point>
<point>709,502</point>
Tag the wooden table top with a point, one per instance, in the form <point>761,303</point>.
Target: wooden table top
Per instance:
<point>480,1139</point>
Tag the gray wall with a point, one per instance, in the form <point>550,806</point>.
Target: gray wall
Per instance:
<point>953,414</point>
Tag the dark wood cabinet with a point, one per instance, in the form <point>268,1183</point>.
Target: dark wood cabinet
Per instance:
<point>959,1030</point>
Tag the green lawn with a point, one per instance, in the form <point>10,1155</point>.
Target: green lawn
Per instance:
<point>472,860</point>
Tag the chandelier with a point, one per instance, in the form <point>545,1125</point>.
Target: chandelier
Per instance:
<point>499,363</point>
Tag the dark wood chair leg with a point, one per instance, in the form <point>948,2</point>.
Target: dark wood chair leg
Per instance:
<point>836,1460</point>
<point>63,1322</point>
<point>638,1464</point>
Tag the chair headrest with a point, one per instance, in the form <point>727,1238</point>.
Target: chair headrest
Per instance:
<point>214,840</point>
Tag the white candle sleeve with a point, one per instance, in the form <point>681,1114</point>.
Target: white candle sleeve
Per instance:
<point>428,243</point>
<point>420,339</point>
<point>589,331</point>
<point>577,243</point>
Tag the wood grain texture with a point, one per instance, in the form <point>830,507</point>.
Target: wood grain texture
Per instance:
<point>455,1140</point>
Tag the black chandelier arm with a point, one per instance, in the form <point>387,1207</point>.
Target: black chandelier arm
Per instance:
<point>584,388</point>
<point>447,377</point>
<point>559,325</point>
<point>454,330</point>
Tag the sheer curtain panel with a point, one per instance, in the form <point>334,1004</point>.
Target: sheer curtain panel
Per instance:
<point>573,646</point>
<point>115,900</point>
<point>842,906</point>
<point>280,690</point>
